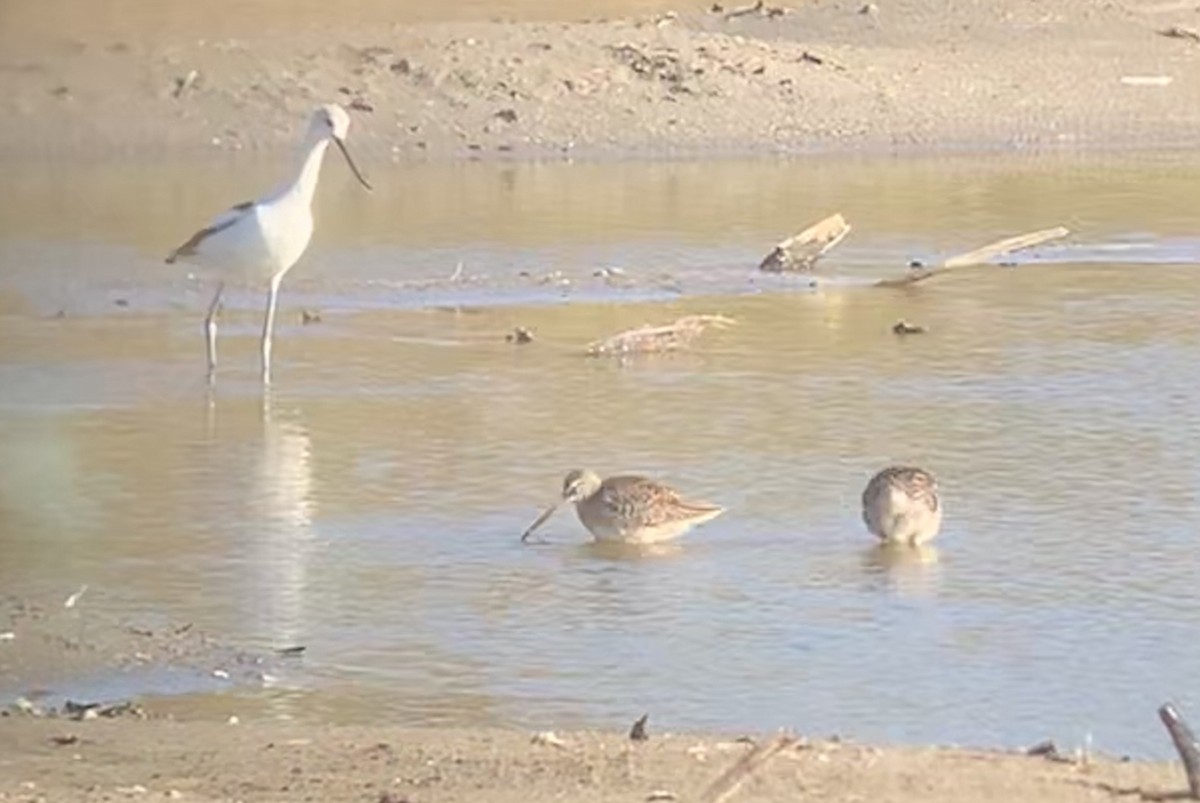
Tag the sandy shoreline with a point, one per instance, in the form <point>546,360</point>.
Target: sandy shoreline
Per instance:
<point>655,82</point>
<point>63,760</point>
<point>135,747</point>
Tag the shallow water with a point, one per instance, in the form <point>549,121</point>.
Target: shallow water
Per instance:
<point>370,509</point>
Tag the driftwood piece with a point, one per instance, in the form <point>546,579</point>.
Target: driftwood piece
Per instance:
<point>1185,743</point>
<point>728,782</point>
<point>1005,246</point>
<point>653,339</point>
<point>743,11</point>
<point>801,252</point>
<point>979,256</point>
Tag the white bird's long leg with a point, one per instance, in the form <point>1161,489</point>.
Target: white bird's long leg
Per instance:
<point>269,327</point>
<point>210,332</point>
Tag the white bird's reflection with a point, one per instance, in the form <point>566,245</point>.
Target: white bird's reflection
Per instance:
<point>280,496</point>
<point>262,471</point>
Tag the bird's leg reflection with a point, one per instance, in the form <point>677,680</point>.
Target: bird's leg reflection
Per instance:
<point>210,333</point>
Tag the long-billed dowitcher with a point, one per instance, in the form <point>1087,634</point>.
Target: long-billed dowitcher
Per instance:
<point>901,505</point>
<point>628,509</point>
<point>263,239</point>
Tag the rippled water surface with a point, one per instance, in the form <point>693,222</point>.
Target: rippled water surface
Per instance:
<point>371,508</point>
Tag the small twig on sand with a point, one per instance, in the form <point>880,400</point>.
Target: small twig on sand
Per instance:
<point>652,339</point>
<point>185,83</point>
<point>979,256</point>
<point>742,11</point>
<point>1181,32</point>
<point>801,252</point>
<point>1185,743</point>
<point>727,784</point>
<point>73,600</point>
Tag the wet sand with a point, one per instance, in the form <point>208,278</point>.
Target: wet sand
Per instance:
<point>53,760</point>
<point>602,79</point>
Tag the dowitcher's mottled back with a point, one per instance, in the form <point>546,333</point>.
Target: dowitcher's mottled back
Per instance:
<point>901,505</point>
<point>629,509</point>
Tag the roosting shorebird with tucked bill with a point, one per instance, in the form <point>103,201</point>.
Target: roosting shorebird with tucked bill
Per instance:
<point>901,505</point>
<point>261,240</point>
<point>628,509</point>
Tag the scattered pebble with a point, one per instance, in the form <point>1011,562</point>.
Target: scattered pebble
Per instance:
<point>136,789</point>
<point>233,720</point>
<point>291,652</point>
<point>869,9</point>
<point>638,732</point>
<point>1043,748</point>
<point>905,328</point>
<point>554,277</point>
<point>26,707</point>
<point>548,739</point>
<point>220,673</point>
<point>86,711</point>
<point>174,794</point>
<point>520,336</point>
<point>309,316</point>
<point>64,740</point>
<point>661,794</point>
<point>392,797</point>
<point>8,635</point>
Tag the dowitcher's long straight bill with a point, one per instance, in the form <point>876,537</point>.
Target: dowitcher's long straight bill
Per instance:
<point>546,514</point>
<point>353,167</point>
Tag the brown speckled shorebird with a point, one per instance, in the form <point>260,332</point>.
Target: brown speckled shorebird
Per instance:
<point>627,509</point>
<point>901,506</point>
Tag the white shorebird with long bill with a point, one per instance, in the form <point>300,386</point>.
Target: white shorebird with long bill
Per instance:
<point>261,240</point>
